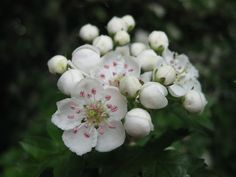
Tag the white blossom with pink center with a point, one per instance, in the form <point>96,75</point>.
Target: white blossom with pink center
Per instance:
<point>114,66</point>
<point>92,117</point>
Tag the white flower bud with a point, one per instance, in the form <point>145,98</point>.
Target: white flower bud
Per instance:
<point>194,101</point>
<point>68,80</point>
<point>153,95</point>
<point>158,41</point>
<point>122,38</point>
<point>57,64</point>
<point>104,43</point>
<point>130,22</point>
<point>88,32</point>
<point>137,47</point>
<point>129,86</point>
<point>165,74</point>
<point>138,123</point>
<point>116,24</point>
<point>148,60</point>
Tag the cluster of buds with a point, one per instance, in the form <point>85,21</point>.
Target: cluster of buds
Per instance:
<point>110,72</point>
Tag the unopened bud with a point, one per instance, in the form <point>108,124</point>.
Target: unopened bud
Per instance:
<point>129,86</point>
<point>153,95</point>
<point>158,41</point>
<point>194,101</point>
<point>137,47</point>
<point>57,64</point>
<point>130,22</point>
<point>116,24</point>
<point>122,38</point>
<point>68,80</point>
<point>165,75</point>
<point>138,123</point>
<point>103,43</point>
<point>88,32</point>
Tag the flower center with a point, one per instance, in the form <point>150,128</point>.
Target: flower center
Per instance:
<point>95,113</point>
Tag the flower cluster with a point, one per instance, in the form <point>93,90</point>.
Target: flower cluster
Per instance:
<point>109,73</point>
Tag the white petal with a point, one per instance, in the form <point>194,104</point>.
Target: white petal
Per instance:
<point>118,103</point>
<point>69,114</point>
<point>176,90</point>
<point>86,58</point>
<point>146,77</point>
<point>88,89</point>
<point>80,141</point>
<point>112,138</point>
<point>181,62</point>
<point>133,68</point>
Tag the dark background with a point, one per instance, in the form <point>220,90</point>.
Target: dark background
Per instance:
<point>33,31</point>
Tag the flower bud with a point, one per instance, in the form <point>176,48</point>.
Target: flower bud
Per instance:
<point>86,58</point>
<point>68,80</point>
<point>137,47</point>
<point>116,24</point>
<point>138,123</point>
<point>103,43</point>
<point>129,86</point>
<point>194,101</point>
<point>57,64</point>
<point>153,95</point>
<point>148,60</point>
<point>122,38</point>
<point>88,32</point>
<point>158,41</point>
<point>165,74</point>
<point>129,20</point>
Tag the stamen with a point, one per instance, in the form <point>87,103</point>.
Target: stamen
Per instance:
<point>108,97</point>
<point>94,91</point>
<point>102,76</point>
<point>125,66</point>
<point>131,70</point>
<point>86,134</point>
<point>114,64</point>
<point>111,126</point>
<point>106,66</point>
<point>109,106</point>
<point>114,109</point>
<point>101,130</point>
<point>82,94</point>
<point>71,116</point>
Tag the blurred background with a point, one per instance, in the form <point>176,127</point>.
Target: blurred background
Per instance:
<point>34,31</point>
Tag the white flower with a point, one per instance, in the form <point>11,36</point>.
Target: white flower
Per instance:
<point>153,95</point>
<point>116,24</point>
<point>137,47</point>
<point>88,32</point>
<point>183,85</point>
<point>68,80</point>
<point>114,66</point>
<point>178,62</point>
<point>86,57</point>
<point>138,123</point>
<point>130,22</point>
<point>165,74</point>
<point>91,118</point>
<point>194,101</point>
<point>57,64</point>
<point>122,38</point>
<point>104,43</point>
<point>158,41</point>
<point>148,60</point>
<point>129,86</point>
